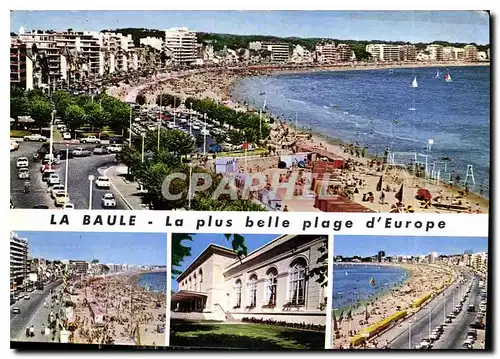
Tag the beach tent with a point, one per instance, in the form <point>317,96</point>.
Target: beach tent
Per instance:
<point>288,160</point>
<point>226,165</point>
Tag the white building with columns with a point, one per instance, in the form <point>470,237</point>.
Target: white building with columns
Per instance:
<point>271,282</point>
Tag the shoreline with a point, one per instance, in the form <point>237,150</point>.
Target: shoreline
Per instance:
<point>216,84</point>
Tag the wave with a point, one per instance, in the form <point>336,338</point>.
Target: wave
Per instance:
<point>294,100</point>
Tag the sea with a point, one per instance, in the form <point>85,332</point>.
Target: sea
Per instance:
<point>153,281</point>
<point>351,282</point>
<point>380,108</point>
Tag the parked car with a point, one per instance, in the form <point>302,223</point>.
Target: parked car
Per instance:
<point>22,162</point>
<point>35,137</point>
<point>100,150</point>
<point>23,173</point>
<point>62,154</point>
<point>66,136</point>
<point>27,297</point>
<point>16,310</point>
<point>115,140</point>
<point>108,200</point>
<point>69,206</point>
<point>81,152</point>
<point>90,139</point>
<point>102,182</point>
<point>53,179</point>
<point>114,148</point>
<point>61,199</point>
<point>14,146</point>
<point>55,188</point>
<point>40,206</point>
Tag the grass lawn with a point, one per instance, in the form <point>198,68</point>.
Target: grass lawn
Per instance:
<point>243,336</point>
<point>19,133</point>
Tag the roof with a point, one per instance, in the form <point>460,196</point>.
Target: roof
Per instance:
<point>209,251</point>
<point>187,295</point>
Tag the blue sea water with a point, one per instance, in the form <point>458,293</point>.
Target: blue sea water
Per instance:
<point>351,282</point>
<point>373,107</point>
<point>154,281</point>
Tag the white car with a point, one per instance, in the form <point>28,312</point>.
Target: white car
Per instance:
<point>69,206</point>
<point>53,179</point>
<point>23,173</point>
<point>14,145</point>
<point>22,162</point>
<point>55,188</point>
<point>102,182</point>
<point>90,139</point>
<point>35,137</point>
<point>114,148</point>
<point>205,132</point>
<point>108,200</point>
<point>66,136</point>
<point>81,152</point>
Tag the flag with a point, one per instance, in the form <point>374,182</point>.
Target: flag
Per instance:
<point>379,184</point>
<point>399,195</point>
<point>335,325</point>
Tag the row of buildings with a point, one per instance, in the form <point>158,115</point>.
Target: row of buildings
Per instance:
<point>433,52</point>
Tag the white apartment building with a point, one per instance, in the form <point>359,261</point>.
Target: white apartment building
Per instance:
<point>407,53</point>
<point>470,53</point>
<point>271,282</point>
<point>326,53</point>
<point>154,42</point>
<point>280,52</point>
<point>18,261</point>
<point>301,55</point>
<point>384,52</point>
<point>180,44</point>
<point>435,52</point>
<point>482,56</point>
<point>118,53</point>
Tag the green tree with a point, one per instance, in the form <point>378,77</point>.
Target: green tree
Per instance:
<point>174,141</point>
<point>168,100</point>
<point>96,116</point>
<point>75,117</point>
<point>41,112</point>
<point>19,106</point>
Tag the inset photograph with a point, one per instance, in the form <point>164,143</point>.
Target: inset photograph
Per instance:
<point>249,291</point>
<point>409,292</point>
<point>88,288</point>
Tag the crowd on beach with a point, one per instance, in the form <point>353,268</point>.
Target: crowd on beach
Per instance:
<point>358,180</point>
<point>115,310</point>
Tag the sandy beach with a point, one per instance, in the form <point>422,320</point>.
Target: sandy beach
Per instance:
<point>357,181</point>
<point>115,310</point>
<point>423,279</point>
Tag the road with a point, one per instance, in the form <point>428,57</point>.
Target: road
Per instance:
<point>79,169</point>
<point>32,313</point>
<point>418,327</point>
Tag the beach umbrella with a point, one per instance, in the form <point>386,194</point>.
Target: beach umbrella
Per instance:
<point>399,195</point>
<point>379,184</point>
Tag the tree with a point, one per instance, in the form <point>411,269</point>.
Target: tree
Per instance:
<point>168,100</point>
<point>140,99</point>
<point>174,141</point>
<point>75,117</point>
<point>96,116</point>
<point>41,112</point>
<point>19,106</point>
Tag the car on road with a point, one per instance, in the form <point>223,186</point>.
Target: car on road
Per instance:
<point>115,140</point>
<point>435,335</point>
<point>14,146</point>
<point>53,179</point>
<point>62,154</point>
<point>69,206</point>
<point>16,310</point>
<point>102,182</point>
<point>471,308</point>
<point>40,206</point>
<point>81,152</point>
<point>90,139</point>
<point>100,150</point>
<point>66,136</point>
<point>448,320</point>
<point>55,188</point>
<point>23,173</point>
<point>114,148</point>
<point>22,162</point>
<point>35,137</point>
<point>47,166</point>
<point>60,199</point>
<point>108,200</point>
<point>27,297</point>
<point>472,333</point>
<point>46,174</point>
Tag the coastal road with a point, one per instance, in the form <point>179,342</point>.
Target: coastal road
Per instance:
<point>416,328</point>
<point>32,313</point>
<point>78,184</point>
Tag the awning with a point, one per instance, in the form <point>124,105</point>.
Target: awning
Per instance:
<point>187,295</point>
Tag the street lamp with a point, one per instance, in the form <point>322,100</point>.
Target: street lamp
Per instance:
<point>142,152</point>
<point>205,135</point>
<point>51,141</point>
<point>91,178</point>
<point>190,118</point>
<point>130,130</point>
<point>430,321</point>
<point>189,189</point>
<point>66,172</point>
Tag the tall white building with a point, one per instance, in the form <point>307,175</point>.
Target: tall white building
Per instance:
<point>470,53</point>
<point>18,261</point>
<point>154,42</point>
<point>435,52</point>
<point>384,52</point>
<point>180,44</point>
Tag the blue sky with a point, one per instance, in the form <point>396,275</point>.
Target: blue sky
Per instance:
<point>201,241</point>
<point>117,248</point>
<point>413,26</point>
<point>395,245</point>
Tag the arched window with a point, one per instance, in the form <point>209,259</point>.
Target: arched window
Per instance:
<point>271,286</point>
<point>200,272</point>
<point>195,283</point>
<point>252,291</point>
<point>297,282</point>
<point>189,285</point>
<point>238,293</point>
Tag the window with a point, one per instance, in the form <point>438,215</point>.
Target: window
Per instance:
<point>297,282</point>
<point>201,278</point>
<point>252,291</point>
<point>238,294</point>
<point>271,287</point>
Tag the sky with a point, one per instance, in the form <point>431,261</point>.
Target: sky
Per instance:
<point>412,26</point>
<point>365,246</point>
<point>201,241</point>
<point>116,248</point>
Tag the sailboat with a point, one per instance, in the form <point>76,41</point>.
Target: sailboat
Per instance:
<point>414,84</point>
<point>447,77</point>
<point>438,75</point>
